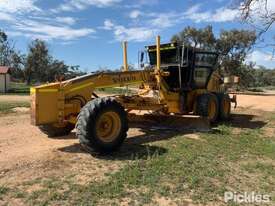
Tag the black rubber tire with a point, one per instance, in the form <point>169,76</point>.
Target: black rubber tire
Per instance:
<point>202,105</point>
<point>222,114</point>
<point>53,131</point>
<point>86,124</point>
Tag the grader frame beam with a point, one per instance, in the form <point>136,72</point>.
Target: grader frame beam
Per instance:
<point>69,94</point>
<point>66,96</point>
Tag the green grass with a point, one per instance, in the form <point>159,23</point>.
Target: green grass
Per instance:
<point>255,90</point>
<point>3,191</point>
<point>19,88</point>
<point>261,89</point>
<point>6,107</point>
<point>272,117</point>
<point>24,89</point>
<point>201,169</point>
<point>260,167</point>
<point>269,87</point>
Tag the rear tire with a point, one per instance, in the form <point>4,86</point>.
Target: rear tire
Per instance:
<point>102,125</point>
<point>224,106</point>
<point>207,106</point>
<point>53,131</point>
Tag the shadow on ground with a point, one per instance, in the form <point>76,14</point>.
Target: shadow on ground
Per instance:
<point>136,147</point>
<point>126,152</point>
<point>245,121</point>
<point>69,136</point>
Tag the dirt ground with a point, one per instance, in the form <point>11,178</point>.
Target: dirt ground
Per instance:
<point>265,103</point>
<point>14,98</point>
<point>26,153</point>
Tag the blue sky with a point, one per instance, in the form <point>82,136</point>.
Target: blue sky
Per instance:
<point>89,32</point>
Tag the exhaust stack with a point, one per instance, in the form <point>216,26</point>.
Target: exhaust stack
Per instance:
<point>125,58</point>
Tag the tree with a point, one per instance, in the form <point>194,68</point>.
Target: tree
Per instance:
<point>234,45</point>
<point>264,76</point>
<point>74,71</point>
<point>198,38</point>
<point>5,49</point>
<point>259,11</point>
<point>37,63</point>
<point>42,67</point>
<point>17,65</point>
<point>10,57</point>
<point>56,70</point>
<point>261,15</point>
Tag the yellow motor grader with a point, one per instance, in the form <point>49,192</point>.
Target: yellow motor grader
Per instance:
<point>176,79</point>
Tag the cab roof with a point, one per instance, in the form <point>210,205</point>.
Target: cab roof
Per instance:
<point>174,45</point>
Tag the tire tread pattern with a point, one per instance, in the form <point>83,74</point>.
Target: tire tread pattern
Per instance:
<point>203,101</point>
<point>86,121</point>
<point>221,97</point>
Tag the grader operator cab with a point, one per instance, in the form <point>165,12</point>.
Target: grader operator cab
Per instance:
<point>184,81</point>
<point>188,67</point>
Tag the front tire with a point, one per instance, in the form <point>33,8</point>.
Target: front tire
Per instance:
<point>102,125</point>
<point>207,106</point>
<point>224,106</point>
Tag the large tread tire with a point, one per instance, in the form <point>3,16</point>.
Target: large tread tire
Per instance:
<point>86,129</point>
<point>203,104</point>
<point>224,106</point>
<point>53,131</point>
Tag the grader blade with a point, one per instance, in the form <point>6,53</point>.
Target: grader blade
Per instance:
<point>170,122</point>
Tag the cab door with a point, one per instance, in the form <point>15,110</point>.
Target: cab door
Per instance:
<point>204,65</point>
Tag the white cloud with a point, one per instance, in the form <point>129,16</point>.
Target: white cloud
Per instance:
<point>12,6</point>
<point>35,29</point>
<point>6,17</point>
<point>225,14</point>
<point>73,5</point>
<point>25,20</point>
<point>271,5</point>
<point>141,4</point>
<point>194,13</point>
<point>219,15</point>
<point>45,28</point>
<point>136,34</point>
<point>10,9</point>
<point>193,9</point>
<point>66,20</point>
<point>164,20</point>
<point>108,25</point>
<point>146,2</point>
<point>135,14</point>
<point>262,58</point>
<point>154,23</point>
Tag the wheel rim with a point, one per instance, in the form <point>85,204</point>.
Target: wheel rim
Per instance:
<point>108,126</point>
<point>226,106</point>
<point>212,110</point>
